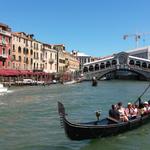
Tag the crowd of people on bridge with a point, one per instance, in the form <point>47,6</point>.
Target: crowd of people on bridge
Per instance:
<point>132,111</point>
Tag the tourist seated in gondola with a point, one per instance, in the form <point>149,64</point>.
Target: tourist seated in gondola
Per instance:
<point>122,114</point>
<point>131,111</point>
<point>113,112</point>
<point>146,108</point>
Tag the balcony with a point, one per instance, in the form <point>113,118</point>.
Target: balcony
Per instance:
<point>5,32</point>
<point>51,61</point>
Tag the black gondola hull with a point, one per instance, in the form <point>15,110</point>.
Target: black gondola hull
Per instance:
<point>102,128</point>
<point>81,132</point>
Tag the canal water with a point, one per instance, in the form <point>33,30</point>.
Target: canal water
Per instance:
<point>29,119</point>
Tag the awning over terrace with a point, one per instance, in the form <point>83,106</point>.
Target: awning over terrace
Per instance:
<point>11,72</point>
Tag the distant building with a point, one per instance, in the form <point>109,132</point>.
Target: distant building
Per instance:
<point>50,58</point>
<point>5,46</point>
<point>22,51</point>
<point>38,63</point>
<point>72,64</point>
<point>142,52</point>
<point>82,58</point>
<point>61,64</point>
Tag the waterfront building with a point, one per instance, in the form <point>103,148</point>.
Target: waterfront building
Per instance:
<point>5,46</point>
<point>61,63</point>
<point>82,58</point>
<point>49,58</point>
<point>22,51</point>
<point>142,52</point>
<point>38,56</point>
<point>72,64</point>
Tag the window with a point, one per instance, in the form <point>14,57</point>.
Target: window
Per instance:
<point>31,61</point>
<point>46,55</point>
<point>9,40</point>
<point>9,52</point>
<point>24,50</point>
<point>13,57</point>
<point>31,52</point>
<point>19,58</point>
<point>3,52</point>
<point>13,48</point>
<point>19,49</point>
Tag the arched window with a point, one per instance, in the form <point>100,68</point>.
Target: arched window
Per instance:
<point>131,62</point>
<point>96,67</point>
<point>19,49</point>
<point>91,68</point>
<point>102,65</point>
<point>144,65</point>
<point>9,52</point>
<point>149,66</point>
<point>34,66</point>
<point>27,51</point>
<point>114,62</point>
<point>4,52</point>
<point>108,64</point>
<point>24,50</point>
<point>31,61</point>
<point>85,69</point>
<point>31,52</point>
<point>19,58</point>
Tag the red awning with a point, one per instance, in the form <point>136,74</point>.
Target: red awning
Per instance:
<point>9,72</point>
<point>25,72</point>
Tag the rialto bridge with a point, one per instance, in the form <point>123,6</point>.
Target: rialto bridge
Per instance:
<point>117,62</point>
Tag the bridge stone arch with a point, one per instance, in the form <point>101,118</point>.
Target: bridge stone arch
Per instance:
<point>120,61</point>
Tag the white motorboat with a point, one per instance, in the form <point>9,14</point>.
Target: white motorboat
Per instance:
<point>3,89</point>
<point>70,82</point>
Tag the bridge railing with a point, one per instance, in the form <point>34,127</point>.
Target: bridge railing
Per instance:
<point>139,68</point>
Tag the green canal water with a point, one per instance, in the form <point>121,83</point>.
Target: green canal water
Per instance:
<point>29,119</point>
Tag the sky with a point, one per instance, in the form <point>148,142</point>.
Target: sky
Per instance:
<point>94,27</point>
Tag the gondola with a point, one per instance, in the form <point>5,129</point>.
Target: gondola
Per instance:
<point>94,81</point>
<point>99,128</point>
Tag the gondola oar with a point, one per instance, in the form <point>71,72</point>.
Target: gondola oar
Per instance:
<point>139,98</point>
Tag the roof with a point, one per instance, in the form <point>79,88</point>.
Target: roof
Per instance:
<point>138,49</point>
<point>82,55</point>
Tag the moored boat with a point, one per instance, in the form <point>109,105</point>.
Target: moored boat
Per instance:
<point>98,128</point>
<point>70,82</point>
<point>3,89</point>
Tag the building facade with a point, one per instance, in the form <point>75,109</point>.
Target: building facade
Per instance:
<point>72,64</point>
<point>142,52</point>
<point>50,58</point>
<point>82,58</point>
<point>38,56</point>
<point>61,63</point>
<point>5,46</point>
<point>22,51</point>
